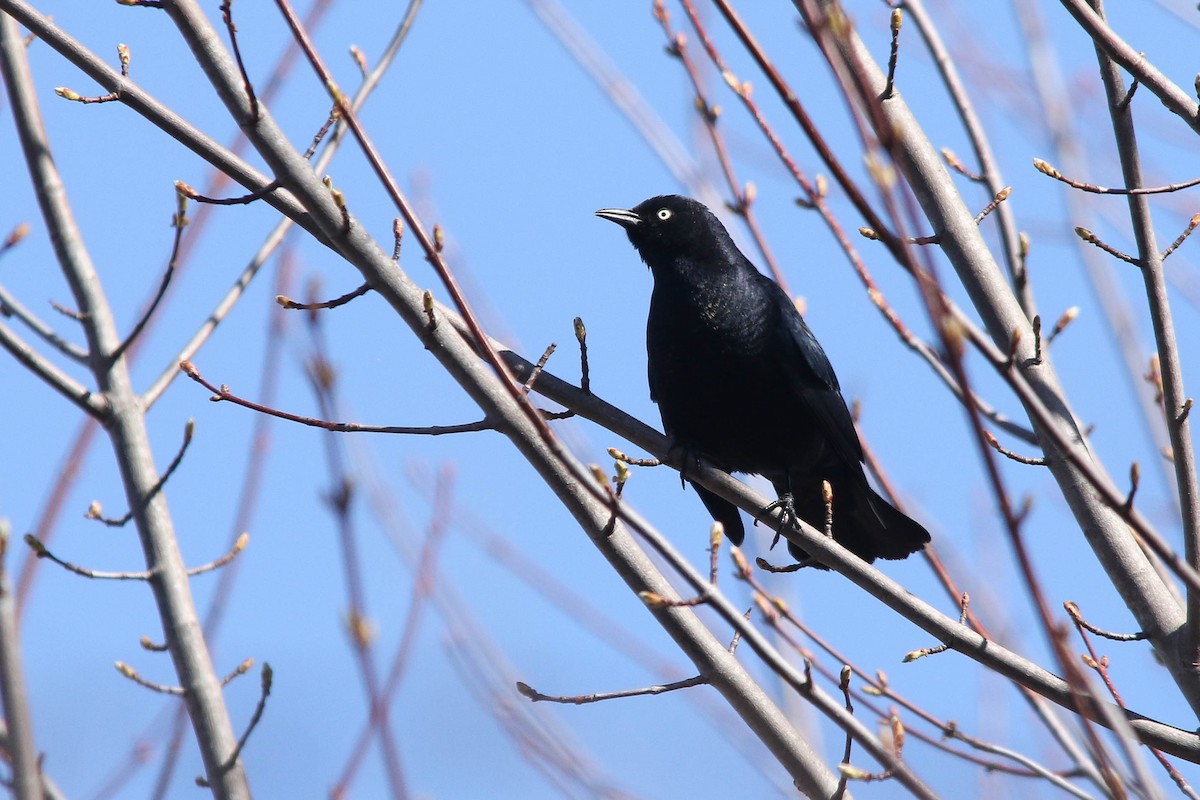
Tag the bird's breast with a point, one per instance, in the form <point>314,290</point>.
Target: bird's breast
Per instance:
<point>715,373</point>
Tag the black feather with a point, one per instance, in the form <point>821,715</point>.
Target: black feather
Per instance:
<point>739,377</point>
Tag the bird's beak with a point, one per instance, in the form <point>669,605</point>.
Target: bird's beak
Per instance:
<point>622,216</point>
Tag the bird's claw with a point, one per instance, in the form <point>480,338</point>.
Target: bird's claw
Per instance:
<point>787,514</point>
<point>687,459</point>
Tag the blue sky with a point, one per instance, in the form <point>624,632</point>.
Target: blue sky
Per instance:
<point>505,141</point>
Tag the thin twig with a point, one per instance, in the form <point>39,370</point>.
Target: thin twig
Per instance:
<point>913,655</point>
<point>178,221</point>
<point>238,547</point>
<point>583,699</point>
<point>585,377</point>
<point>71,94</point>
<point>265,692</point>
<point>743,193</point>
<point>222,393</point>
<point>133,675</point>
<point>955,163</point>
<point>1193,223</point>
<point>1030,460</point>
<point>40,551</point>
<point>11,306</point>
<point>995,202</point>
<point>226,9</point>
<point>631,461</point>
<point>538,367</point>
<point>897,19</point>
<point>69,313</point>
<point>94,511</point>
<point>1077,617</point>
<point>844,685</point>
<point>289,303</point>
<point>335,115</point>
<point>15,237</point>
<point>241,200</point>
<point>1049,170</point>
<point>240,670</point>
<point>1091,238</point>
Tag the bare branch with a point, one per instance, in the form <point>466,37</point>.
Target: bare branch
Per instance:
<point>227,17</point>
<point>10,306</point>
<point>1135,63</point>
<point>1187,483</point>
<point>125,426</point>
<point>94,510</point>
<point>289,303</point>
<point>133,675</point>
<point>87,400</point>
<point>583,699</point>
<point>19,746</point>
<point>222,393</point>
<point>40,551</point>
<point>238,547</point>
<point>1046,169</point>
<point>178,222</point>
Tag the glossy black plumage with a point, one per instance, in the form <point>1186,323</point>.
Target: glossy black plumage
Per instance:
<point>739,378</point>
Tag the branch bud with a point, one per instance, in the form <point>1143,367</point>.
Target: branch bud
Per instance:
<point>1045,168</point>
<point>853,773</point>
<point>715,534</point>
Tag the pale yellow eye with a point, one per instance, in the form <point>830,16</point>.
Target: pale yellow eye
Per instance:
<point>664,214</point>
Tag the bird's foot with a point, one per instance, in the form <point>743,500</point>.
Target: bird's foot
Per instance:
<point>787,514</point>
<point>688,459</point>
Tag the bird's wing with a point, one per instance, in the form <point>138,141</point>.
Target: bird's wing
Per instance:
<point>811,375</point>
<point>654,394</point>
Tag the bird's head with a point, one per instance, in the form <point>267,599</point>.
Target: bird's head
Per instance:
<point>669,227</point>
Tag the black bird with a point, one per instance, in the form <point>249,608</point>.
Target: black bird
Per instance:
<point>739,378</point>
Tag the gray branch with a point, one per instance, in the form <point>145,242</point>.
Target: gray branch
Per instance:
<point>1151,262</point>
<point>18,724</point>
<point>1139,585</point>
<point>992,655</point>
<point>126,427</point>
<point>486,389</point>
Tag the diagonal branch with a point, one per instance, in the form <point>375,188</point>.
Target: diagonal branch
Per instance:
<point>946,629</point>
<point>1174,98</point>
<point>275,237</point>
<point>140,101</point>
<point>561,472</point>
<point>89,401</point>
<point>1131,573</point>
<point>126,427</point>
<point>989,168</point>
<point>1174,396</point>
<point>10,305</point>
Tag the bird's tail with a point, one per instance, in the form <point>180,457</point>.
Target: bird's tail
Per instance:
<point>893,534</point>
<point>866,525</point>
